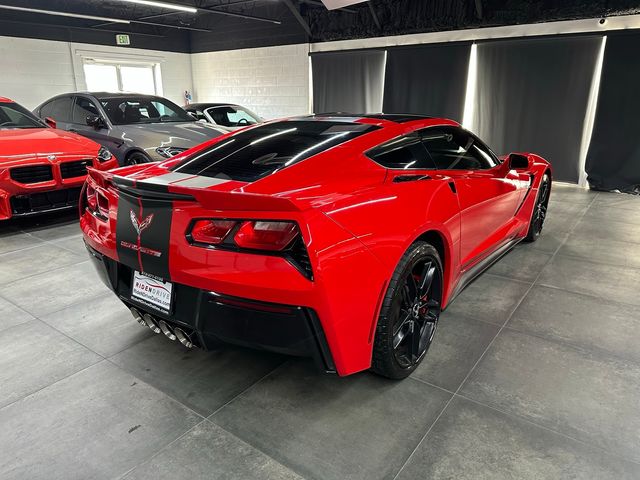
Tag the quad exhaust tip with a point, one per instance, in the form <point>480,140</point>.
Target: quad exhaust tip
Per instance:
<point>158,326</point>
<point>138,316</point>
<point>166,329</point>
<point>151,323</point>
<point>183,337</point>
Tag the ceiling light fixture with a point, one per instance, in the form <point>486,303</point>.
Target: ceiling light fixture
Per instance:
<point>170,6</point>
<point>335,4</point>
<point>64,14</point>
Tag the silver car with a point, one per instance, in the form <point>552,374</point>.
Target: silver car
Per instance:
<point>135,128</point>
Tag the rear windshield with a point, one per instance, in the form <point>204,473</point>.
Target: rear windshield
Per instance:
<point>255,153</point>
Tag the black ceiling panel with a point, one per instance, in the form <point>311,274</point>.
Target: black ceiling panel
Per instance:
<point>232,24</point>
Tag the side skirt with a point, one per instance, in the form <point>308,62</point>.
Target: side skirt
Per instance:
<point>473,272</point>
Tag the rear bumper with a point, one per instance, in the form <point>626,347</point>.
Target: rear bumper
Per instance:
<point>212,318</point>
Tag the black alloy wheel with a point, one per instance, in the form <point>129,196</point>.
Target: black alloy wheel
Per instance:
<point>136,158</point>
<point>539,210</point>
<point>410,313</point>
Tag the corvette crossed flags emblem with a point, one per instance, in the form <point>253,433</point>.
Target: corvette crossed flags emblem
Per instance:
<point>140,226</point>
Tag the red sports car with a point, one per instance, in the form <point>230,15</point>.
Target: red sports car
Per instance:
<point>41,168</point>
<point>338,237</point>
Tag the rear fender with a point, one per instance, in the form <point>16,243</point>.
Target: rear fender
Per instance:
<point>389,220</point>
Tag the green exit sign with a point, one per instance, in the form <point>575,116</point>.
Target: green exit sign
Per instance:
<point>122,39</point>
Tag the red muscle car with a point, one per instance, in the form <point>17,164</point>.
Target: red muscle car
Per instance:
<point>41,168</point>
<point>335,236</point>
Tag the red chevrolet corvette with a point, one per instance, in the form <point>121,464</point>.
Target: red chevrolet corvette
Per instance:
<point>41,168</point>
<point>338,237</point>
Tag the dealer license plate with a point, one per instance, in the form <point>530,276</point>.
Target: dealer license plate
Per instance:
<point>152,291</point>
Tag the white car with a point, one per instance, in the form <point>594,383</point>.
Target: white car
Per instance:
<point>226,116</point>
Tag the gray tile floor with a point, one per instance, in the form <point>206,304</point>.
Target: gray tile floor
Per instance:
<point>534,373</point>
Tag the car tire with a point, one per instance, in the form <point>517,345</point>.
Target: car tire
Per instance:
<point>539,213</point>
<point>409,314</point>
<point>136,158</point>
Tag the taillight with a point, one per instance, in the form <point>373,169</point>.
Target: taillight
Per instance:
<point>251,234</point>
<point>272,236</point>
<point>211,232</point>
<point>103,204</point>
<point>95,201</point>
<point>257,235</point>
<point>92,201</point>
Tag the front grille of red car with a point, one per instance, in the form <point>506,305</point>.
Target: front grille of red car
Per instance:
<point>32,174</point>
<point>43,201</point>
<point>75,169</point>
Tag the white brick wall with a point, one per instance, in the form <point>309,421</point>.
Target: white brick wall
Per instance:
<point>272,81</point>
<point>35,70</point>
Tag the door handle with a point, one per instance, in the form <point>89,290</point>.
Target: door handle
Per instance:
<point>452,186</point>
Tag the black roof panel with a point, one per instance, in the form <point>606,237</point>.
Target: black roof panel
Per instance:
<point>390,117</point>
<point>210,104</point>
<point>399,117</point>
<point>105,95</point>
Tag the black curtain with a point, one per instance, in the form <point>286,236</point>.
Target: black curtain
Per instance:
<point>427,79</point>
<point>349,82</point>
<point>532,96</point>
<point>613,161</point>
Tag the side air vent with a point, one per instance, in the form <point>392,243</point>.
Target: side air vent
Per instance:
<point>410,178</point>
<point>298,256</point>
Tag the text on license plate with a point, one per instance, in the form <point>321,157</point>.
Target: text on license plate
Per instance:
<point>151,291</point>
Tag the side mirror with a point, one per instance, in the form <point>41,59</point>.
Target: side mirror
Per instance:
<point>517,161</point>
<point>51,122</point>
<point>95,121</point>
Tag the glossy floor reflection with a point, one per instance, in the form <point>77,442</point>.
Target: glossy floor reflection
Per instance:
<point>534,374</point>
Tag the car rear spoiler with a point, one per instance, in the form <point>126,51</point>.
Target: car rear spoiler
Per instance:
<point>221,200</point>
<point>208,198</point>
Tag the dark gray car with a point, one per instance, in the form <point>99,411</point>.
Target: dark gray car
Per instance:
<point>135,128</point>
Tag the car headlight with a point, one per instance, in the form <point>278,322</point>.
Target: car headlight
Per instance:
<point>168,152</point>
<point>104,154</point>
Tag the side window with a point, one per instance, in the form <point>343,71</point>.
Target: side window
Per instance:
<point>198,113</point>
<point>404,152</point>
<point>163,110</point>
<point>485,152</point>
<point>45,110</point>
<point>452,148</point>
<point>219,116</point>
<point>238,115</point>
<point>82,108</point>
<point>12,116</point>
<point>58,109</point>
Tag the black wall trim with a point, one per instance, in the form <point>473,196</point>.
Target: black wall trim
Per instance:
<point>169,41</point>
<point>613,160</point>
